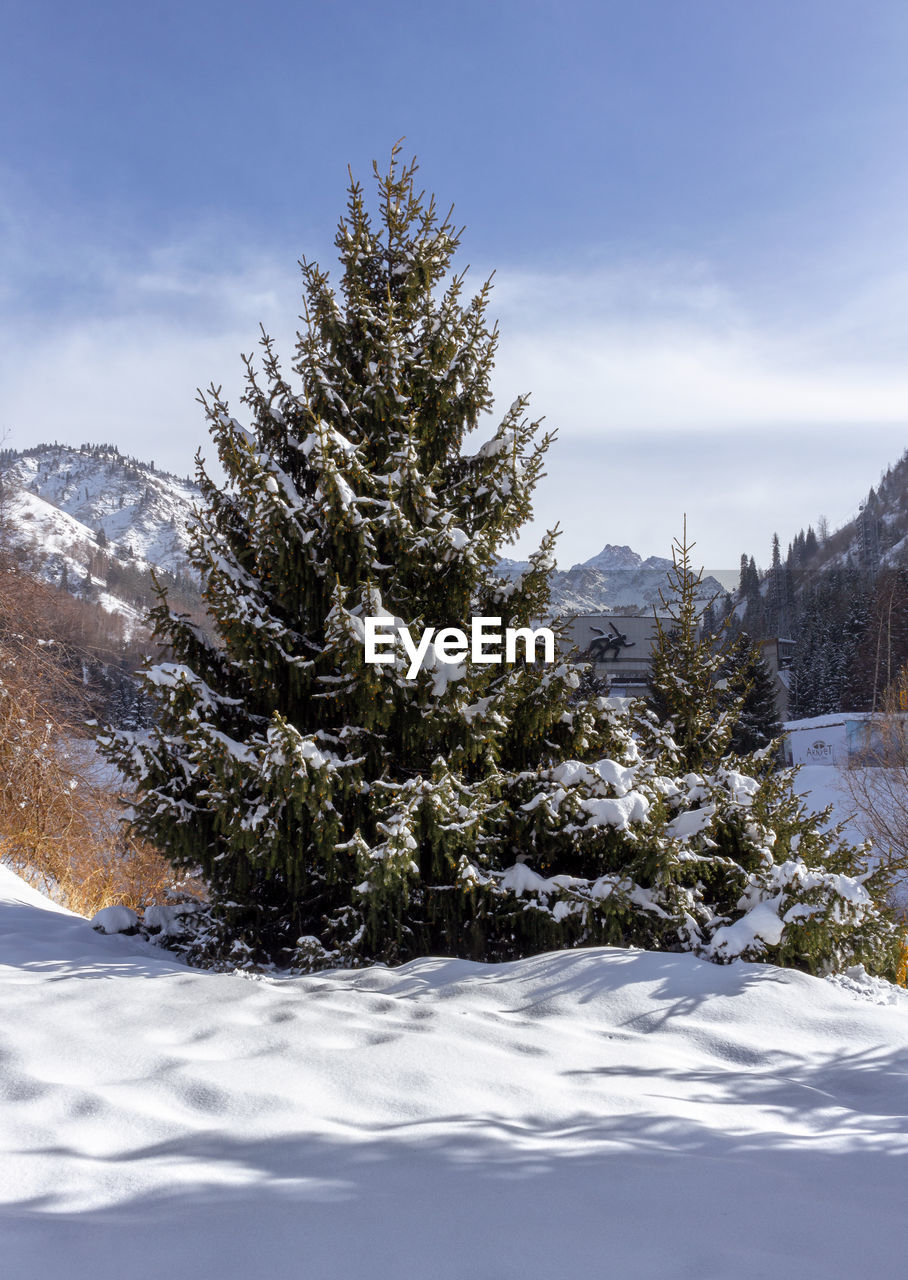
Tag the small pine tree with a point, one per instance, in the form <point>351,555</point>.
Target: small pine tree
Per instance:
<point>763,877</point>
<point>676,843</point>
<point>753,578</point>
<point>687,659</point>
<point>743,578</point>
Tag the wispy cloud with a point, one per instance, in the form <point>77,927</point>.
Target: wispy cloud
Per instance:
<point>669,392</point>
<point>680,353</point>
<point>122,358</point>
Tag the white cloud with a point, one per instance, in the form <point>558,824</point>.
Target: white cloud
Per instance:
<point>667,394</point>
<point>126,366</point>
<point>683,356</point>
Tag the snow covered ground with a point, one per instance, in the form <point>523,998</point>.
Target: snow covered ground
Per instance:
<point>599,1113</point>
<point>821,785</point>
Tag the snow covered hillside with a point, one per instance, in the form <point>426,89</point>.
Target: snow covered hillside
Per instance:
<point>591,1113</point>
<point>144,514</point>
<point>95,522</point>
<point>66,548</point>
<point>877,536</point>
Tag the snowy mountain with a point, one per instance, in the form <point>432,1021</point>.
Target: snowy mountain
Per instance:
<point>622,559</point>
<point>877,536</point>
<point>95,521</point>
<point>615,578</point>
<point>144,514</point>
<point>83,509</point>
<point>600,1112</point>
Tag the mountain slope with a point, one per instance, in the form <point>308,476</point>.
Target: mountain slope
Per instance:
<point>97,523</point>
<point>875,538</point>
<point>144,514</point>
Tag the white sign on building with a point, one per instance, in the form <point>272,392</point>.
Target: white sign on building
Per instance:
<point>821,740</point>
<point>848,736</point>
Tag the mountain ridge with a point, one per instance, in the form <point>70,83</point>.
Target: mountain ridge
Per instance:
<point>93,507</point>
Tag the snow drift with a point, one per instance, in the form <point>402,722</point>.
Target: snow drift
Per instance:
<point>600,1112</point>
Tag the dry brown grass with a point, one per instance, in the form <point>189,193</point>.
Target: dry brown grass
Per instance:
<point>901,971</point>
<point>61,823</point>
<point>66,837</point>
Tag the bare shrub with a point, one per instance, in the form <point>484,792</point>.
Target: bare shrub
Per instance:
<point>60,815</point>
<point>876,782</point>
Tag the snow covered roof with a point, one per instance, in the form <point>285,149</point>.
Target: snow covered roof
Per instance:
<point>834,718</point>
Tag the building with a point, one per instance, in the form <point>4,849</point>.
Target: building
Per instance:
<point>777,654</point>
<point>618,646</point>
<point>841,738</point>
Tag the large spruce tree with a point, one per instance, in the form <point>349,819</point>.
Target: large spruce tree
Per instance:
<point>323,798</point>
<point>341,812</point>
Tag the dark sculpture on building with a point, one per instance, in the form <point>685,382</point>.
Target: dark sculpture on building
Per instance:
<point>604,644</point>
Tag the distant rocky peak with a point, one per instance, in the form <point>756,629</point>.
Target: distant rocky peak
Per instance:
<point>612,557</point>
<point>660,564</point>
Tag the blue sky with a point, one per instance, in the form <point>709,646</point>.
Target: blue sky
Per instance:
<point>695,212</point>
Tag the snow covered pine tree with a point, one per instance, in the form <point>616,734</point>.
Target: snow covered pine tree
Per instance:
<point>758,723</point>
<point>326,799</point>
<point>343,813</point>
<point>764,877</point>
